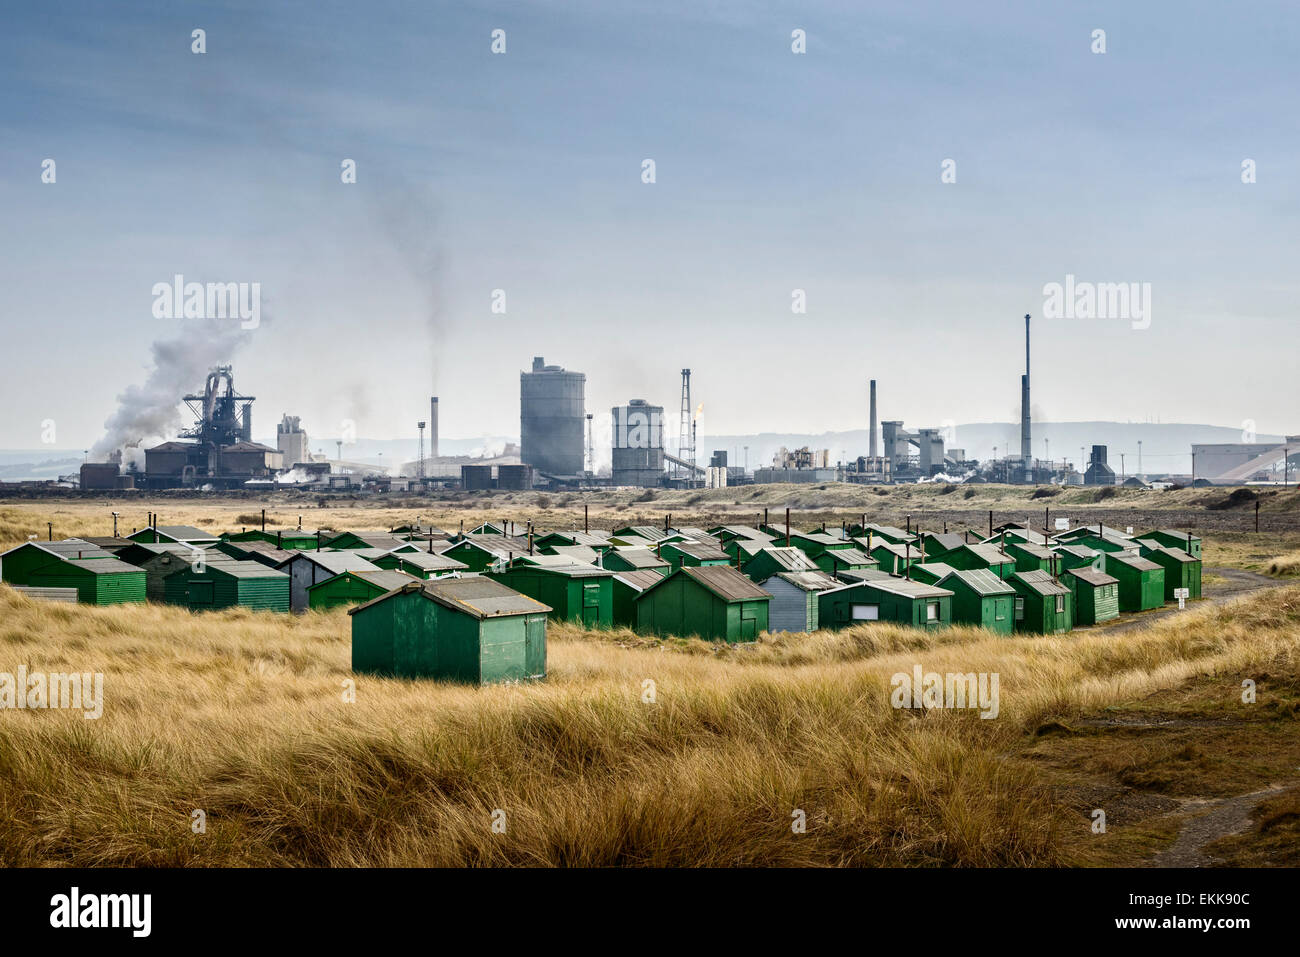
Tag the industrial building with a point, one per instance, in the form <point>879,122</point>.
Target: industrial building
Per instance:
<point>220,451</point>
<point>291,441</point>
<point>1238,463</point>
<point>637,444</point>
<point>552,419</point>
<point>1098,473</point>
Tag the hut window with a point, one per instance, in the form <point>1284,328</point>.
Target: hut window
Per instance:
<point>1060,604</point>
<point>1000,610</point>
<point>866,612</point>
<point>1020,608</point>
<point>932,611</point>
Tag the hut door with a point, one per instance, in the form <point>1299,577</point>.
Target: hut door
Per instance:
<point>748,626</point>
<point>590,604</point>
<point>200,593</point>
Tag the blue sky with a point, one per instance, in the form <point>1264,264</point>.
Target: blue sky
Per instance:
<point>774,172</point>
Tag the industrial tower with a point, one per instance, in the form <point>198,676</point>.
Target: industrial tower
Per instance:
<point>1026,444</point>
<point>685,447</point>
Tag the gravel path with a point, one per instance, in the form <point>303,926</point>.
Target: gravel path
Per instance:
<point>1225,817</point>
<point>1236,582</point>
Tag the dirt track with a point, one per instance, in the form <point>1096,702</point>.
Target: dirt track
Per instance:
<point>1237,582</point>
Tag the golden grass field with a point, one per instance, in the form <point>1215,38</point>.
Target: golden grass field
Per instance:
<point>242,715</point>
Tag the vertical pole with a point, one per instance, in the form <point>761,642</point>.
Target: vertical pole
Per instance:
<point>787,526</point>
<point>586,525</point>
<point>263,519</point>
<point>49,531</point>
<point>990,523</point>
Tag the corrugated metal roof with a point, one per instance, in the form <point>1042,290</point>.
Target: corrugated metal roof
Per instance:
<point>648,532</point>
<point>1092,576</point>
<point>582,554</point>
<point>889,530</point>
<point>98,566</point>
<point>499,545</point>
<point>1078,551</point>
<point>566,567</point>
<point>818,537</point>
<point>387,579</point>
<point>640,557</point>
<point>863,574</point>
<point>474,595</point>
<point>741,531</point>
<point>809,581</point>
<point>430,562</point>
<point>699,535</point>
<point>990,553</point>
<point>791,559</point>
<point>981,581</point>
<point>65,548</point>
<point>908,589</point>
<point>848,556</point>
<point>640,579</point>
<point>1178,553</point>
<point>1133,561</point>
<point>481,597</point>
<point>590,539</point>
<point>183,532</point>
<point>109,542</point>
<point>938,569</point>
<point>1041,582</point>
<point>1035,551</point>
<point>903,551</point>
<point>749,547</point>
<point>705,553</point>
<point>336,563</point>
<point>949,540</point>
<point>723,580</point>
<point>246,570</point>
<point>263,548</point>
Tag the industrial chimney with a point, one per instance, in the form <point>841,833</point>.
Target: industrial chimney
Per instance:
<point>433,427</point>
<point>872,448</point>
<point>1026,443</point>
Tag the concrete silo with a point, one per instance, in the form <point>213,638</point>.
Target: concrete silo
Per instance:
<point>552,412</point>
<point>638,444</point>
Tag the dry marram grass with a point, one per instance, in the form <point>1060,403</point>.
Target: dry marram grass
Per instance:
<point>241,714</point>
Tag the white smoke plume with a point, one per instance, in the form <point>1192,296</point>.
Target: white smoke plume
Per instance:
<point>152,410</point>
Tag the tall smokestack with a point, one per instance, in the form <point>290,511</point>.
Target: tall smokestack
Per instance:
<point>1026,442</point>
<point>433,427</point>
<point>873,448</point>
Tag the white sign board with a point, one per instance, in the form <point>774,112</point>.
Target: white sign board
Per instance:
<point>1182,594</point>
<point>1062,524</point>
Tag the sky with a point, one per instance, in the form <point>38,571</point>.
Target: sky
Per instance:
<point>775,171</point>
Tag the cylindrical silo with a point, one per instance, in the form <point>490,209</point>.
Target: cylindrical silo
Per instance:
<point>552,410</point>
